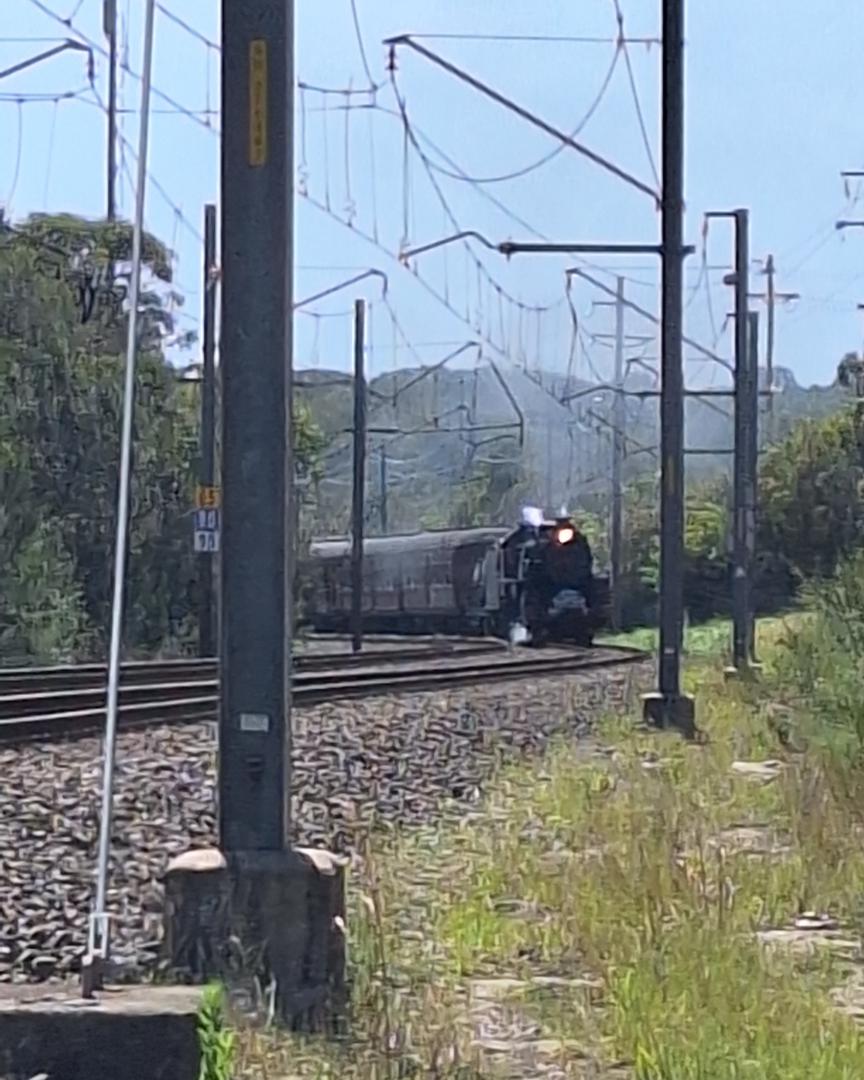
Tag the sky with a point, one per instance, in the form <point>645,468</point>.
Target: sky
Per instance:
<point>773,114</point>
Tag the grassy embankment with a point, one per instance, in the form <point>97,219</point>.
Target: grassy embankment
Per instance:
<point>633,877</point>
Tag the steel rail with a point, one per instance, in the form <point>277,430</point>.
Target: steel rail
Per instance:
<point>145,672</point>
<point>66,713</point>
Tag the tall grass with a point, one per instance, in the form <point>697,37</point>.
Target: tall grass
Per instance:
<point>819,667</point>
<point>637,873</point>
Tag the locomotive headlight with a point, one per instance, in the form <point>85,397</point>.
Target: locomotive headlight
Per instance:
<point>565,535</point>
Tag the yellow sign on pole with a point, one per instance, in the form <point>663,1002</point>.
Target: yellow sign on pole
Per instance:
<point>257,102</point>
<point>208,498</point>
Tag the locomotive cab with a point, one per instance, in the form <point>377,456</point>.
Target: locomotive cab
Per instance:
<point>555,584</point>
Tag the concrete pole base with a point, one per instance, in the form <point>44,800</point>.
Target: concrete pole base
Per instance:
<point>268,921</point>
<point>749,671</point>
<point>133,1032</point>
<point>664,711</point>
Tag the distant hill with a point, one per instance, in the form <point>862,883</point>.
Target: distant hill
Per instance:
<point>440,428</point>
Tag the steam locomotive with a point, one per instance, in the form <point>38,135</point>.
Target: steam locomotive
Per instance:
<point>533,583</point>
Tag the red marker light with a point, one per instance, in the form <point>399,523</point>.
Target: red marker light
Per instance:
<point>565,535</point>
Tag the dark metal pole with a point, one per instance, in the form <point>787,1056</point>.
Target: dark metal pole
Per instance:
<point>383,505</point>
<point>359,490</point>
<point>752,489</point>
<point>256,357</point>
<point>109,26</point>
<point>207,464</point>
<point>668,705</point>
<point>740,575</point>
<point>618,421</point>
<point>769,346</point>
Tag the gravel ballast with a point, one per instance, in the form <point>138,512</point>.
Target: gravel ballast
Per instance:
<point>356,764</point>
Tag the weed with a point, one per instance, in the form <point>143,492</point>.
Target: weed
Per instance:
<point>624,894</point>
<point>215,1039</point>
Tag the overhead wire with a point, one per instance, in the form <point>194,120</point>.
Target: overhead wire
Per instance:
<point>176,209</point>
<point>45,97</point>
<point>123,63</point>
<point>516,174</point>
<point>16,171</point>
<point>634,90</point>
<point>507,211</point>
<point>442,198</point>
<point>362,48</point>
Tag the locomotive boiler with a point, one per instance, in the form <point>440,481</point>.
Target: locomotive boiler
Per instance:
<point>537,579</point>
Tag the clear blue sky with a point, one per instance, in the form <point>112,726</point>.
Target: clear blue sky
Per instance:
<point>774,112</point>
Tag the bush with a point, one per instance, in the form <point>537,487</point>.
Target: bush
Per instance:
<point>821,660</point>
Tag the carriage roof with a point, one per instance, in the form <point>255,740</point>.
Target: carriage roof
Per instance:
<point>436,539</point>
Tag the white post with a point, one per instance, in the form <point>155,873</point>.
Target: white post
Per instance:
<point>98,937</point>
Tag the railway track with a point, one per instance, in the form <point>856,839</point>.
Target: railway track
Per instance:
<point>51,703</point>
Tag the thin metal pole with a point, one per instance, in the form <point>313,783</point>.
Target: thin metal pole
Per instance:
<point>769,346</point>
<point>548,500</point>
<point>384,492</point>
<point>257,466</point>
<point>99,923</point>
<point>359,488</point>
<point>109,26</point>
<point>618,421</point>
<point>672,387</point>
<point>751,495</point>
<point>740,575</point>
<point>207,464</point>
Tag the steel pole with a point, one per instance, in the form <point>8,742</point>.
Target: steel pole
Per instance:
<point>109,26</point>
<point>207,462</point>
<point>99,938</point>
<point>358,496</point>
<point>743,393</point>
<point>257,450</point>
<point>618,420</point>
<point>384,493</point>
<point>769,346</point>
<point>752,488</point>
<point>672,386</point>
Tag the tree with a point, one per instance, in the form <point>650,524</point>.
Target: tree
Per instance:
<point>62,340</point>
<point>812,494</point>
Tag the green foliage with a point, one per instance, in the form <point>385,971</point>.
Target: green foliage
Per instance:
<point>812,494</point>
<point>63,326</point>
<point>705,551</point>
<point>821,662</point>
<point>216,1041</point>
<point>488,494</point>
<point>61,364</point>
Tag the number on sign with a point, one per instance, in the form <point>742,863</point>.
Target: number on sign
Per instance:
<point>206,540</point>
<point>207,519</point>
<point>207,498</point>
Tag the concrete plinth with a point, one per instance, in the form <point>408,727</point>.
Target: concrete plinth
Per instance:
<point>749,672</point>
<point>273,920</point>
<point>677,712</point>
<point>137,1033</point>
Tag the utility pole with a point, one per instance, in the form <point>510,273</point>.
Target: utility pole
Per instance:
<point>382,506</point>
<point>258,461</point>
<point>618,420</point>
<point>769,342</point>
<point>109,27</point>
<point>262,898</point>
<point>668,707</point>
<point>752,489</point>
<point>770,297</point>
<point>358,498</point>
<point>744,392</point>
<point>207,463</point>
